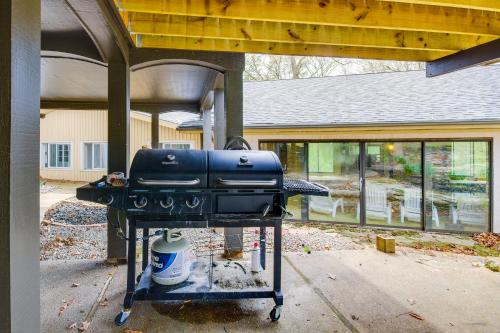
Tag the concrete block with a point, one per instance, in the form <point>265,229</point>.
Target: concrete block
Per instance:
<point>386,244</point>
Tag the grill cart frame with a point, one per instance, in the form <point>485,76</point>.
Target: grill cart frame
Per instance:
<point>141,287</point>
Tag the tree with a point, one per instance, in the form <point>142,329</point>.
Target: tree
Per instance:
<point>271,67</point>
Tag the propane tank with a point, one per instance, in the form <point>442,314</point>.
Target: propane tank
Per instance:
<point>170,258</point>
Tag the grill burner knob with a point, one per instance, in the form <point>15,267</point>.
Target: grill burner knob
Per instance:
<point>106,199</point>
<point>193,202</point>
<point>167,202</point>
<point>140,202</point>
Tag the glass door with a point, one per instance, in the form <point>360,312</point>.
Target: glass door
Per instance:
<point>335,165</point>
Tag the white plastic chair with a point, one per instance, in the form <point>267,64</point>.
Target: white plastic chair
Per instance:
<point>411,207</point>
<point>326,205</point>
<point>376,204</point>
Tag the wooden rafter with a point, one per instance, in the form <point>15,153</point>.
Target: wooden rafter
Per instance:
<point>282,32</point>
<point>417,30</point>
<point>491,5</point>
<point>353,13</point>
<point>204,44</point>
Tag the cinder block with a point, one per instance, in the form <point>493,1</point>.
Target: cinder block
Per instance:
<point>386,244</point>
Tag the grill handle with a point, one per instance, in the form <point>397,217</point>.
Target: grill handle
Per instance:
<point>164,182</point>
<point>230,182</point>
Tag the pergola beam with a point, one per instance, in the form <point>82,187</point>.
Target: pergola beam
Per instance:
<point>491,5</point>
<point>283,32</point>
<point>103,105</point>
<point>197,44</point>
<point>355,13</point>
<point>482,54</point>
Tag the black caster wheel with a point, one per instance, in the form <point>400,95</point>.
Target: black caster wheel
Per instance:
<point>275,313</point>
<point>138,278</point>
<point>121,318</point>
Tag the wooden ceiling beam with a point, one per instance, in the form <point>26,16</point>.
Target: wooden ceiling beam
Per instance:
<point>282,32</point>
<point>490,5</point>
<point>373,14</point>
<point>200,44</point>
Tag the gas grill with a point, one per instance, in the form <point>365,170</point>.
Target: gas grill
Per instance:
<point>199,189</point>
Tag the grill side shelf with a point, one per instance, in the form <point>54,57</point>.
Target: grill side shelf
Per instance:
<point>294,187</point>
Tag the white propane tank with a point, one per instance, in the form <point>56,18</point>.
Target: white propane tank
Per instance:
<point>170,258</point>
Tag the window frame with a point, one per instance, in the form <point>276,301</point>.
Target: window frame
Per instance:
<point>423,141</point>
<point>82,156</point>
<point>180,142</point>
<point>70,154</point>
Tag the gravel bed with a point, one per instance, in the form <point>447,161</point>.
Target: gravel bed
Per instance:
<point>77,241</point>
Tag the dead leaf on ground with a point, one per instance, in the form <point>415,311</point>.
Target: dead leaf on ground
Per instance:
<point>416,316</point>
<point>84,326</point>
<point>104,302</point>
<point>332,276</point>
<point>131,331</point>
<point>70,327</point>
<point>74,285</point>
<point>65,305</point>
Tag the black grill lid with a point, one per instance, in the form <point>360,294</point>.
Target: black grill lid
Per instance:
<point>169,168</point>
<point>244,168</point>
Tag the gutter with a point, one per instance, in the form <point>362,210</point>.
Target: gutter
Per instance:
<point>352,125</point>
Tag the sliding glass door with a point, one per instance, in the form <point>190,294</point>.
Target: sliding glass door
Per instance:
<point>393,186</point>
<point>335,165</point>
<point>457,186</point>
<point>445,186</point>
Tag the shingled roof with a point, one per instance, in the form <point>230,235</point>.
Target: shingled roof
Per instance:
<point>467,96</point>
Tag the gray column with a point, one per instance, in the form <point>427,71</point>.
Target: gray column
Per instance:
<point>118,143</point>
<point>233,100</point>
<point>219,119</point>
<point>207,130</point>
<point>155,130</point>
<point>19,165</point>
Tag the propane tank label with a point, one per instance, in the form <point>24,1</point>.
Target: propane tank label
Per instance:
<point>168,265</point>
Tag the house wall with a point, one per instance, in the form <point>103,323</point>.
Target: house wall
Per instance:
<point>254,136</point>
<point>76,127</point>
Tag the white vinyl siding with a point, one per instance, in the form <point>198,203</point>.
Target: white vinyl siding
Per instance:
<point>55,155</point>
<point>95,156</point>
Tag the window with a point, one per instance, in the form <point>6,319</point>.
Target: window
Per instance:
<point>457,186</point>
<point>55,155</point>
<point>393,185</point>
<point>95,156</point>
<point>176,145</point>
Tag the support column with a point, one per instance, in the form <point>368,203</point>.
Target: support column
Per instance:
<point>207,130</point>
<point>155,130</point>
<point>19,165</point>
<point>118,144</point>
<point>233,100</point>
<point>219,119</point>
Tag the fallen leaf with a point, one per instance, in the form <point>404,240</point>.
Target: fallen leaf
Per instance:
<point>84,326</point>
<point>65,305</point>
<point>74,285</point>
<point>354,317</point>
<point>411,301</point>
<point>104,302</point>
<point>70,327</point>
<point>332,276</point>
<point>131,331</point>
<point>416,316</point>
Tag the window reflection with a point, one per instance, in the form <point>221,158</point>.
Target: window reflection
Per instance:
<point>335,165</point>
<point>457,184</point>
<point>393,184</point>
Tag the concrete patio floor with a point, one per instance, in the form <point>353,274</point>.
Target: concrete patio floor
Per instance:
<point>334,291</point>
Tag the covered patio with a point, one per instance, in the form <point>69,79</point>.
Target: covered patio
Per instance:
<point>161,56</point>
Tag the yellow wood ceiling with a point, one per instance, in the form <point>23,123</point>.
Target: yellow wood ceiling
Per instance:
<point>416,30</point>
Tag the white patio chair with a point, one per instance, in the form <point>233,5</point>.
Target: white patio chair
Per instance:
<point>467,209</point>
<point>376,204</point>
<point>326,205</point>
<point>411,207</point>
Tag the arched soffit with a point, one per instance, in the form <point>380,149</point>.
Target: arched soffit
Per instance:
<point>173,82</point>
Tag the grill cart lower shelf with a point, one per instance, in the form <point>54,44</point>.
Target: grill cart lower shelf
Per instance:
<point>147,289</point>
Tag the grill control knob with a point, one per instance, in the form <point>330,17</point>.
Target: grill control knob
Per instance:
<point>106,199</point>
<point>140,202</point>
<point>193,202</point>
<point>167,202</point>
